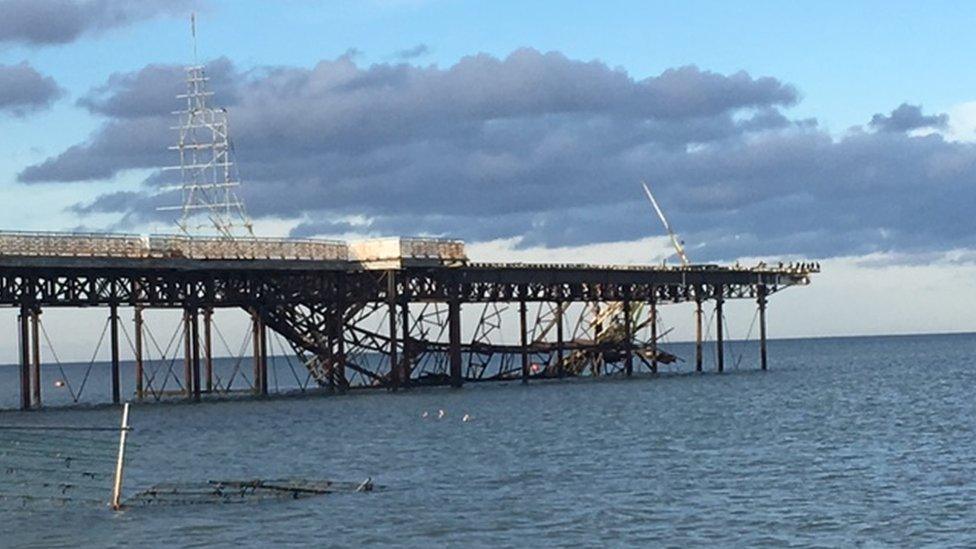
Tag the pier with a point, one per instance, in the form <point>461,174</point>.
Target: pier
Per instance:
<point>385,313</point>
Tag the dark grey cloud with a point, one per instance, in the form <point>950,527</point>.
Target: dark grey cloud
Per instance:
<point>543,148</point>
<point>43,22</point>
<point>419,50</point>
<point>23,89</point>
<point>908,117</point>
<point>151,91</point>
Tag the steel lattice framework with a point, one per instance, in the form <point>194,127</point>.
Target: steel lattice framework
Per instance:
<point>354,327</point>
<point>209,181</point>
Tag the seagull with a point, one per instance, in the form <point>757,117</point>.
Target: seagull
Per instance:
<point>467,418</point>
<point>440,414</point>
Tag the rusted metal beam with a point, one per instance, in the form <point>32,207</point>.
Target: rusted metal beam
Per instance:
<point>158,283</point>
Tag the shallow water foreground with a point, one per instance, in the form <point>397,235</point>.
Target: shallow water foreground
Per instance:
<point>844,441</point>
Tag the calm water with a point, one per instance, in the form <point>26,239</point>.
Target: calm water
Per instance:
<point>850,441</point>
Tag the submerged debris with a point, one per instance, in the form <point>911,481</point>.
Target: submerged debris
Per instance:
<point>242,491</point>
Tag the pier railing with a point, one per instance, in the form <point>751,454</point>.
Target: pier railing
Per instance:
<point>53,244</point>
<point>95,245</point>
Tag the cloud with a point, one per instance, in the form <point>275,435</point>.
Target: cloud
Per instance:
<point>906,118</point>
<point>419,50</point>
<point>152,90</point>
<point>24,90</point>
<point>542,150</point>
<point>45,22</point>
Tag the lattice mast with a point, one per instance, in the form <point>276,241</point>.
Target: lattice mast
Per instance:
<point>209,183</point>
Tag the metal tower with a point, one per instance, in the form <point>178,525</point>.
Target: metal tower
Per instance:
<point>208,176</point>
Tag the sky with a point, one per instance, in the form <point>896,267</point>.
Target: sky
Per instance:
<point>840,132</point>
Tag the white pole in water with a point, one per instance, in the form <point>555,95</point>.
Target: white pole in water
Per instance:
<point>117,487</point>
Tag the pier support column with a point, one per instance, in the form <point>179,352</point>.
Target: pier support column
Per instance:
<point>653,305</point>
<point>698,330</point>
<point>195,352</point>
<point>391,299</point>
<point>406,363</point>
<point>629,341</point>
<point>339,367</point>
<point>208,347</point>
<point>454,340</point>
<point>560,369</point>
<point>137,343</point>
<point>187,355</point>
<point>256,328</point>
<point>36,350</point>
<point>524,339</point>
<point>114,341</point>
<point>761,299</point>
<point>23,322</point>
<point>720,328</point>
<point>263,332</point>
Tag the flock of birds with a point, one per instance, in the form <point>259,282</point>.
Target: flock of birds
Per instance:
<point>441,413</point>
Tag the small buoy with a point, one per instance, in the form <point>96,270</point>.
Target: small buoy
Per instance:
<point>423,414</point>
<point>440,414</point>
<point>58,383</point>
<point>467,418</point>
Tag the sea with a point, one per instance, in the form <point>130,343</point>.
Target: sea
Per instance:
<point>864,441</point>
